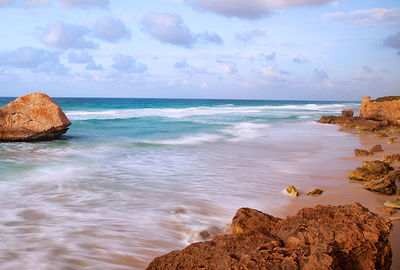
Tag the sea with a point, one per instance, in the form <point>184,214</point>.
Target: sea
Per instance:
<point>136,178</point>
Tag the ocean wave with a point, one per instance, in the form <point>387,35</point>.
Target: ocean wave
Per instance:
<point>201,111</point>
<point>189,140</point>
<point>245,131</point>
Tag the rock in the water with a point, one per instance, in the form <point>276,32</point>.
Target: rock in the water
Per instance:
<point>347,113</point>
<point>354,122</point>
<point>393,203</point>
<point>32,117</point>
<point>292,191</point>
<point>381,109</point>
<point>370,170</point>
<point>387,210</point>
<point>392,158</point>
<point>376,148</point>
<point>362,153</point>
<point>391,140</point>
<point>324,237</point>
<point>315,192</point>
<point>386,185</point>
<point>380,135</point>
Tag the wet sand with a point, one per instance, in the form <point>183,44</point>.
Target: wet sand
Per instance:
<point>352,191</point>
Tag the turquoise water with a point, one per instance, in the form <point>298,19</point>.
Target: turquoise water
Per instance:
<point>135,178</point>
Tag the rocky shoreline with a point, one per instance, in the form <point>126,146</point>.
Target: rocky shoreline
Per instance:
<point>258,240</point>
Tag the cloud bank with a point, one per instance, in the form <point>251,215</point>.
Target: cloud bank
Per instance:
<point>366,17</point>
<point>246,9</point>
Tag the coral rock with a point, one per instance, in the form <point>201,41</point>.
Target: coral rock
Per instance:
<point>392,158</point>
<point>370,170</point>
<point>315,192</point>
<point>347,113</point>
<point>386,185</point>
<point>362,153</point>
<point>32,117</point>
<point>324,237</point>
<point>376,148</point>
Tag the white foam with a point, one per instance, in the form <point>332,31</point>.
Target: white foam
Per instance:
<point>246,131</point>
<point>199,111</point>
<point>190,140</point>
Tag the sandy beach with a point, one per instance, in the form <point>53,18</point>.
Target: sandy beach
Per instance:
<point>352,191</point>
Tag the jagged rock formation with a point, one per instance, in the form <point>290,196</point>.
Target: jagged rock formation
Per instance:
<point>381,109</point>
<point>370,170</point>
<point>324,237</point>
<point>31,118</point>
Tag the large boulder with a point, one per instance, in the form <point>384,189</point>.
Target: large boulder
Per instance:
<point>381,109</point>
<point>324,237</point>
<point>31,118</point>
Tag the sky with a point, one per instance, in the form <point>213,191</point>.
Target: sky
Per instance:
<point>229,49</point>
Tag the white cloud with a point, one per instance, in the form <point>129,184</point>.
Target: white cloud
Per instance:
<point>366,73</point>
<point>168,28</point>
<point>37,60</point>
<point>84,3</point>
<point>82,58</point>
<point>366,17</point>
<point>320,75</point>
<point>252,34</point>
<point>247,9</point>
<point>393,42</point>
<point>93,66</point>
<point>270,72</point>
<point>126,63</point>
<point>210,38</point>
<point>66,36</point>
<point>4,3</point>
<point>111,29</point>
<point>227,66</point>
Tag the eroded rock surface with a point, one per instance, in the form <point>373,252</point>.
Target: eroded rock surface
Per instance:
<point>32,117</point>
<point>324,237</point>
<point>362,153</point>
<point>392,158</point>
<point>370,170</point>
<point>386,185</point>
<point>381,109</point>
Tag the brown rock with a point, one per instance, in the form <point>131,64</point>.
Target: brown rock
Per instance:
<point>392,158</point>
<point>370,170</point>
<point>387,210</point>
<point>324,237</point>
<point>391,140</point>
<point>380,135</point>
<point>362,153</point>
<point>354,122</point>
<point>386,185</point>
<point>315,192</point>
<point>32,117</point>
<point>380,109</point>
<point>395,203</point>
<point>347,113</point>
<point>376,148</point>
<point>292,191</point>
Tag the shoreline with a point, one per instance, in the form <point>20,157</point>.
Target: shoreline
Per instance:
<point>353,191</point>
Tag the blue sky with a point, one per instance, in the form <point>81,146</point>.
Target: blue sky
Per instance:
<point>246,49</point>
